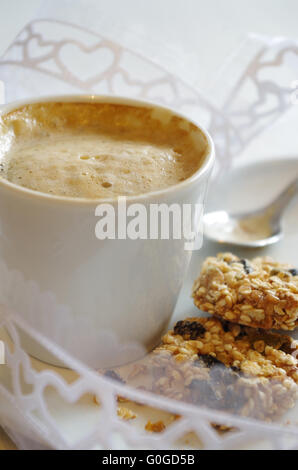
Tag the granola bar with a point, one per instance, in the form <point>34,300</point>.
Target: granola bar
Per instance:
<point>260,293</point>
<point>225,366</point>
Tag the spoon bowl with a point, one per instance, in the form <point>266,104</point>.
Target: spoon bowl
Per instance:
<point>237,230</point>
<point>258,228</point>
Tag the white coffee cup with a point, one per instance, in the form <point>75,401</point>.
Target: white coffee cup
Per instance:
<point>104,301</point>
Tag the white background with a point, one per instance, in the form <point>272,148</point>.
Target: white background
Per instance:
<point>210,28</point>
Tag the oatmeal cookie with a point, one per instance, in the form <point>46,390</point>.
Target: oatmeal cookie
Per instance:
<point>260,293</point>
<point>225,366</point>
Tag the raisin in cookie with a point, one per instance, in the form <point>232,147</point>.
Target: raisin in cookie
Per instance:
<point>225,366</point>
<point>260,293</point>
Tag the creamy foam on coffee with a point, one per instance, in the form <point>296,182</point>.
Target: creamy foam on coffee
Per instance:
<point>97,150</point>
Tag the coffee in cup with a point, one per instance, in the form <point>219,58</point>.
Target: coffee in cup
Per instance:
<point>97,150</point>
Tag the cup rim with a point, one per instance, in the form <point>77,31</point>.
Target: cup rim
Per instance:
<point>117,99</point>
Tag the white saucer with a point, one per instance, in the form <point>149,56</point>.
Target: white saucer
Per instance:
<point>243,188</point>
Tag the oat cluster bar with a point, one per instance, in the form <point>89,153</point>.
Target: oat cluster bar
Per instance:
<point>260,293</point>
<point>230,361</point>
<point>225,366</point>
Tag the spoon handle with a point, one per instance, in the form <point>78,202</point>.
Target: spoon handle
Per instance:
<point>280,203</point>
